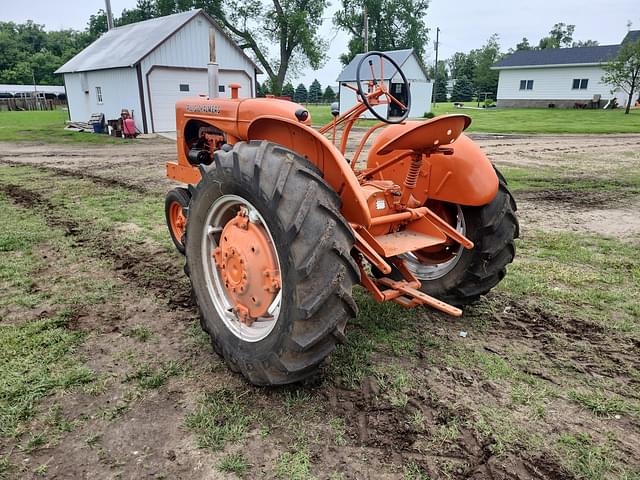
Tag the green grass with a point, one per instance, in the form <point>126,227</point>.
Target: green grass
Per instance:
<point>603,405</point>
<point>525,120</point>
<point>295,464</point>
<point>588,276</point>
<point>586,459</point>
<point>148,377</point>
<point>623,181</point>
<point>36,360</point>
<point>234,463</point>
<point>47,126</point>
<point>221,417</point>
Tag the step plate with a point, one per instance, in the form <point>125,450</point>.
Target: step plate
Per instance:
<point>406,241</point>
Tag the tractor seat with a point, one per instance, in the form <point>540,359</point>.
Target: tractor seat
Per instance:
<point>424,137</point>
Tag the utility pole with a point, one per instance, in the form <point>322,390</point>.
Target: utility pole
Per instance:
<point>435,74</point>
<point>366,30</point>
<point>109,14</point>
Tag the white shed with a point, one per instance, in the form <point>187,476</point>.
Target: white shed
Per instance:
<point>145,67</point>
<point>421,88</point>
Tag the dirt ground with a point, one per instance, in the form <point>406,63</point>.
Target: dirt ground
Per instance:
<point>540,388</point>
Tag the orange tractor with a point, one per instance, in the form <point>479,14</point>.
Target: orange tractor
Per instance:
<point>278,223</point>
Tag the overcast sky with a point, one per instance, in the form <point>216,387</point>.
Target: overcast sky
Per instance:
<point>464,24</point>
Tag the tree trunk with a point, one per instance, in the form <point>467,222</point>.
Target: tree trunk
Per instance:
<point>626,112</point>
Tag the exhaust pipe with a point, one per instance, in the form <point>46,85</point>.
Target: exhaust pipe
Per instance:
<point>212,77</point>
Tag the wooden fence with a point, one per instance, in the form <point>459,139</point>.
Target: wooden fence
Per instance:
<point>29,103</point>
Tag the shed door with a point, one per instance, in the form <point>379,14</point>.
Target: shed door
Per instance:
<point>166,87</point>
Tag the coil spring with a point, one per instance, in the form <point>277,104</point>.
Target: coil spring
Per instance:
<point>414,170</point>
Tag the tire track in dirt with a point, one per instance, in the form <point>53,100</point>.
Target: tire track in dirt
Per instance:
<point>147,269</point>
<point>377,425</point>
<point>108,182</point>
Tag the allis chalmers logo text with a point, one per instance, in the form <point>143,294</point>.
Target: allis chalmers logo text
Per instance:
<point>204,108</point>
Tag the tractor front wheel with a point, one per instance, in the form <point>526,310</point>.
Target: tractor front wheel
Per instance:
<point>268,257</point>
<point>175,204</point>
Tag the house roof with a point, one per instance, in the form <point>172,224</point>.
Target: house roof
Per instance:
<point>399,56</point>
<point>127,45</point>
<point>564,56</point>
<point>633,36</point>
<point>559,56</point>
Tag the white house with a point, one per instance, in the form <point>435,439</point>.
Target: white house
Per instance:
<point>145,67</point>
<point>407,60</point>
<point>558,77</point>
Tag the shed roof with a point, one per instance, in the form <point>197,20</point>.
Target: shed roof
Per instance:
<point>399,56</point>
<point>564,56</point>
<point>127,45</point>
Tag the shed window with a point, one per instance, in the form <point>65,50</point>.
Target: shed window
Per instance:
<point>184,87</point>
<point>99,95</point>
<point>580,83</point>
<point>526,84</point>
<point>221,88</point>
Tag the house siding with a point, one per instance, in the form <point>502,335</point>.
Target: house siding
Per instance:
<point>119,90</point>
<point>551,85</point>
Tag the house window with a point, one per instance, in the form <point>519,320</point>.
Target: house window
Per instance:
<point>99,95</point>
<point>184,87</point>
<point>221,88</point>
<point>580,83</point>
<point>526,84</point>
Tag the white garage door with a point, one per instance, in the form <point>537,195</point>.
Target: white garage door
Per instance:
<point>168,85</point>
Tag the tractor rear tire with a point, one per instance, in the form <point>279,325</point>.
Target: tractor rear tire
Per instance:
<point>493,229</point>
<point>175,204</point>
<point>312,240</point>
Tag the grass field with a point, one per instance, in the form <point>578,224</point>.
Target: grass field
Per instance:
<point>104,371</point>
<point>47,126</point>
<point>529,120</point>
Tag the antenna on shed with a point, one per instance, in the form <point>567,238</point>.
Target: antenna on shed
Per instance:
<point>109,14</point>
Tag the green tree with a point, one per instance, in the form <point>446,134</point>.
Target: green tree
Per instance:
<point>393,25</point>
<point>329,96</point>
<point>623,71</point>
<point>561,35</point>
<point>585,43</point>
<point>259,91</point>
<point>462,65</point>
<point>300,95</point>
<point>256,24</point>
<point>441,77</point>
<point>288,90</point>
<point>484,78</point>
<point>315,92</point>
<point>524,45</point>
<point>462,90</point>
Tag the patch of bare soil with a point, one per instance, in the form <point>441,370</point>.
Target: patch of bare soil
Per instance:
<point>608,213</point>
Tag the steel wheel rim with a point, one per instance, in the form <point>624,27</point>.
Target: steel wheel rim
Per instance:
<point>220,212</point>
<point>433,272</point>
<point>177,218</point>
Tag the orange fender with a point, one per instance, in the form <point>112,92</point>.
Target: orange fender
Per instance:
<point>323,154</point>
<point>466,177</point>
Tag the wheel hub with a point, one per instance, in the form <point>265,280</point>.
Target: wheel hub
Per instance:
<point>248,267</point>
<point>178,220</point>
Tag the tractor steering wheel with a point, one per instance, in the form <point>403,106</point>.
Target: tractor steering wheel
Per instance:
<point>385,92</point>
